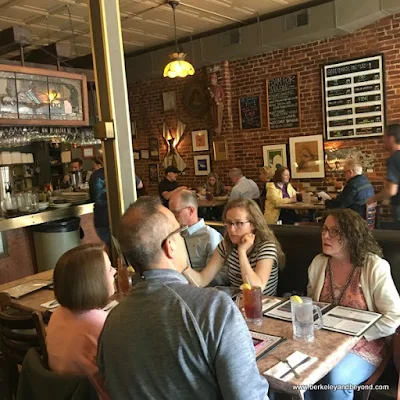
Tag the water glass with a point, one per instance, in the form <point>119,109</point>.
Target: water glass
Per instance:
<point>303,319</point>
<point>252,302</point>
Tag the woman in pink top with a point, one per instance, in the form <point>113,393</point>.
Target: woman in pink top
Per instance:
<point>83,282</point>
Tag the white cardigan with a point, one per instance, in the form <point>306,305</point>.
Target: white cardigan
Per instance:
<point>377,286</point>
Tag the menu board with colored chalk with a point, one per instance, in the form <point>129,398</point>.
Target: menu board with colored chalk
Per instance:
<point>250,112</point>
<point>283,105</point>
<point>354,95</point>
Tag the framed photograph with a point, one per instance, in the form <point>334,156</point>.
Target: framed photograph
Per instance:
<point>169,101</point>
<point>154,173</point>
<point>133,130</point>
<point>354,98</point>
<point>200,140</point>
<point>144,154</point>
<point>153,148</point>
<point>88,152</point>
<point>307,156</point>
<point>220,150</point>
<point>275,156</point>
<point>202,165</point>
<point>136,155</point>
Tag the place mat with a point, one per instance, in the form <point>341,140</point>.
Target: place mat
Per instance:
<point>297,360</point>
<point>264,343</point>
<point>28,287</point>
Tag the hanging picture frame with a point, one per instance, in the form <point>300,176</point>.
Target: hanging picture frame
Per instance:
<point>307,157</point>
<point>154,172</point>
<point>275,156</point>
<point>153,148</point>
<point>202,165</point>
<point>144,154</point>
<point>200,140</point>
<point>220,150</point>
<point>136,155</point>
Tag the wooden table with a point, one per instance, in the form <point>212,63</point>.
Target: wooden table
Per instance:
<point>302,206</point>
<point>329,347</point>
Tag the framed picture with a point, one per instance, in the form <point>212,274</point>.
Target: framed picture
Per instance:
<point>136,155</point>
<point>144,154</point>
<point>133,130</point>
<point>307,156</point>
<point>200,140</point>
<point>154,174</point>
<point>275,156</point>
<point>202,165</point>
<point>354,98</point>
<point>87,152</point>
<point>169,100</point>
<point>153,148</point>
<point>220,150</point>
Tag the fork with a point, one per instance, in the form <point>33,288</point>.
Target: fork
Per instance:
<point>284,360</point>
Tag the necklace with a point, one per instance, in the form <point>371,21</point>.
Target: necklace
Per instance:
<point>337,299</point>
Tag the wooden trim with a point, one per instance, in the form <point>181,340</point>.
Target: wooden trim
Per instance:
<point>56,74</point>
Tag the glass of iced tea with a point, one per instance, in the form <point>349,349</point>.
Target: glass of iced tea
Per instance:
<point>252,302</point>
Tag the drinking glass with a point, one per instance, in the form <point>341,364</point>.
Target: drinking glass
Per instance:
<point>299,197</point>
<point>303,319</point>
<point>252,302</point>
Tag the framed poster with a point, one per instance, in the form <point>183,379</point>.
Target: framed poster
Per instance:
<point>200,140</point>
<point>154,174</point>
<point>275,156</point>
<point>202,165</point>
<point>136,155</point>
<point>169,100</point>
<point>307,156</point>
<point>354,98</point>
<point>144,154</point>
<point>153,148</point>
<point>250,112</point>
<point>87,152</point>
<point>220,150</point>
<point>283,104</point>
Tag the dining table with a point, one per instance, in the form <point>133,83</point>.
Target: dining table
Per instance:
<point>311,207</point>
<point>329,347</point>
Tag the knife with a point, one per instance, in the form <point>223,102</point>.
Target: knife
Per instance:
<point>307,359</point>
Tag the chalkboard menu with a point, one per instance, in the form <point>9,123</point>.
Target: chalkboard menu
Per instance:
<point>354,98</point>
<point>283,102</point>
<point>250,112</point>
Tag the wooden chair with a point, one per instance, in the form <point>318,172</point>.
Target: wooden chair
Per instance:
<point>18,333</point>
<point>370,214</point>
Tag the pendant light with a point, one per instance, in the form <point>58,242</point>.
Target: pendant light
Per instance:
<point>178,66</point>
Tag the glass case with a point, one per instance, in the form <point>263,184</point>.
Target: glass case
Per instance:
<point>42,97</point>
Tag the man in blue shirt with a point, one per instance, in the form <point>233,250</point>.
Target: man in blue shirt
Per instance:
<point>391,188</point>
<point>357,191</point>
<point>169,339</point>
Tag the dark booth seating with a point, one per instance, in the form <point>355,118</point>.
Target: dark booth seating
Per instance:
<point>302,243</point>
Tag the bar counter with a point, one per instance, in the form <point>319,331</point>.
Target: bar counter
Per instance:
<point>48,215</point>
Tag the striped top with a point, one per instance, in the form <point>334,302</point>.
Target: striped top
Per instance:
<point>266,250</point>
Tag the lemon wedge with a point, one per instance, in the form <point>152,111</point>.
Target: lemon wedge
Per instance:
<point>131,270</point>
<point>244,286</point>
<point>297,299</point>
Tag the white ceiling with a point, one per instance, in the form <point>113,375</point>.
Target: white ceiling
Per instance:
<point>145,23</point>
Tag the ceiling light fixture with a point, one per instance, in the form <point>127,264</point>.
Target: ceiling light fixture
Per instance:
<point>178,66</point>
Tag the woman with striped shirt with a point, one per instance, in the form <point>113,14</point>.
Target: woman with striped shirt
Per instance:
<point>250,250</point>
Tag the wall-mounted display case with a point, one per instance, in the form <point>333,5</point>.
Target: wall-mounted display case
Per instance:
<point>31,96</point>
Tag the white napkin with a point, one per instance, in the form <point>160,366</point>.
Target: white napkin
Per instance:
<point>324,195</point>
<point>278,370</point>
<point>50,304</point>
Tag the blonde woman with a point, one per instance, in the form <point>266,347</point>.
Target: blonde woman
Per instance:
<point>280,191</point>
<point>214,186</point>
<point>249,251</point>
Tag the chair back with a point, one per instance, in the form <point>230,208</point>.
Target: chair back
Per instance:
<point>18,331</point>
<point>308,223</point>
<point>370,214</point>
<point>38,383</point>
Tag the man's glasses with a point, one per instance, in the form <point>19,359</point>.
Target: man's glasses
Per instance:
<point>235,224</point>
<point>333,232</point>
<point>182,231</point>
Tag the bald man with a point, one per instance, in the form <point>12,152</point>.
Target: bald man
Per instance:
<point>243,187</point>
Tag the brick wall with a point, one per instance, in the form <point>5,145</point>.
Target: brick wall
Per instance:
<point>248,77</point>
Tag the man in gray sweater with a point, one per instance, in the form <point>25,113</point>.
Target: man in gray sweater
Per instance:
<point>169,339</point>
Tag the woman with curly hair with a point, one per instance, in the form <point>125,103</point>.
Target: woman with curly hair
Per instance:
<point>352,273</point>
<point>249,251</point>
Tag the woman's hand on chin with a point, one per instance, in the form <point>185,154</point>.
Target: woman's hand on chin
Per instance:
<point>246,242</point>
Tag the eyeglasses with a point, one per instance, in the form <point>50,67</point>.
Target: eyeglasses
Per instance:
<point>333,232</point>
<point>182,231</point>
<point>177,212</point>
<point>235,224</point>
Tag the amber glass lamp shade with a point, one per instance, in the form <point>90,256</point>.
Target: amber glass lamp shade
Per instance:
<point>178,67</point>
